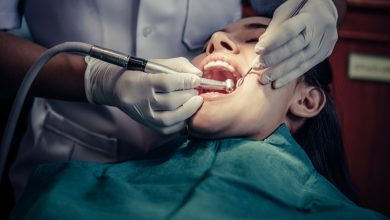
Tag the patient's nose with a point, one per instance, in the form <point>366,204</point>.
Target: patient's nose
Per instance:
<point>222,43</point>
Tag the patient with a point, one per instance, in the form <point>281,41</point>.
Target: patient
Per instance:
<point>255,111</point>
<point>240,161</point>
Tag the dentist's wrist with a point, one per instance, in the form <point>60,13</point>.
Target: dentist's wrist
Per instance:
<point>341,6</point>
<point>99,81</point>
<point>87,82</point>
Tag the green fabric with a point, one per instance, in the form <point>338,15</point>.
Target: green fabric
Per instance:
<point>221,179</point>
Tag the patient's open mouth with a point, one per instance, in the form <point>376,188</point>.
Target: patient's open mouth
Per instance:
<point>218,70</point>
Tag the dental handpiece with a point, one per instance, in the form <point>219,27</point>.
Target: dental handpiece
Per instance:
<point>139,64</point>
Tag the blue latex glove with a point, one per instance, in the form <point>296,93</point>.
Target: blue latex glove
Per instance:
<point>291,46</point>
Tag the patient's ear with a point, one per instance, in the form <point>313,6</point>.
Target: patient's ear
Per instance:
<point>307,102</point>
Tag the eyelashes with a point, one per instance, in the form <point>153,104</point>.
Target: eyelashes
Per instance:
<point>253,40</point>
<point>250,41</point>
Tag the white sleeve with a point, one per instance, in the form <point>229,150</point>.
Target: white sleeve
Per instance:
<point>10,14</point>
<point>266,7</point>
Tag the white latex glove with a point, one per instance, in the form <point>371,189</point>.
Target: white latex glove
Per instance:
<point>291,46</point>
<point>160,101</point>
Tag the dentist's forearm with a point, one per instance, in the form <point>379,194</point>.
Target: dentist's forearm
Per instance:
<point>61,78</point>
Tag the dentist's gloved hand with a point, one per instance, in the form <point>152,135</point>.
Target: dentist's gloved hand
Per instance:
<point>160,101</point>
<point>291,46</point>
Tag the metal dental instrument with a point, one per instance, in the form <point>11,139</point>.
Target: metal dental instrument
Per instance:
<point>139,64</point>
<point>227,85</point>
<point>293,13</point>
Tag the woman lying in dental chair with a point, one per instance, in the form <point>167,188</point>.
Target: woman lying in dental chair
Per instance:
<point>254,153</point>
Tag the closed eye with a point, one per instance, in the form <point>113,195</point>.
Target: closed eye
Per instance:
<point>254,40</point>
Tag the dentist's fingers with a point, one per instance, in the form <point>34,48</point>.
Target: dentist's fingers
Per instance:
<point>172,100</point>
<point>293,68</point>
<point>303,68</point>
<point>296,62</point>
<point>168,118</point>
<point>282,13</point>
<point>290,47</point>
<point>280,82</point>
<point>162,82</point>
<point>286,51</point>
<point>171,129</point>
<point>180,64</point>
<point>281,35</point>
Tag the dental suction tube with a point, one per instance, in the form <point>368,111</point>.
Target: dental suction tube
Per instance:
<point>110,56</point>
<point>74,47</point>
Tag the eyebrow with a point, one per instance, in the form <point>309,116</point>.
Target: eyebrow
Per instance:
<point>255,26</point>
<point>247,26</point>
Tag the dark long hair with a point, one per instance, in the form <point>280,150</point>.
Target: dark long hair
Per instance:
<point>321,136</point>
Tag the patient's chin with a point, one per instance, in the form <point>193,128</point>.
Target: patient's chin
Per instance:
<point>197,127</point>
<point>200,126</point>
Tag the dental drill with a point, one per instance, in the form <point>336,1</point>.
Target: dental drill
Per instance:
<point>139,64</point>
<point>110,56</point>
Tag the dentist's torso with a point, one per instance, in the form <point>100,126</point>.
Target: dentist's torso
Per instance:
<point>61,130</point>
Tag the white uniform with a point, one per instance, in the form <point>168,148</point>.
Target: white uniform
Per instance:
<point>59,130</point>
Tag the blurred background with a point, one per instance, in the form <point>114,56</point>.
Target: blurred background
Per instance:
<point>361,67</point>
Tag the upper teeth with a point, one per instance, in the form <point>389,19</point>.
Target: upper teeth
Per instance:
<point>219,63</point>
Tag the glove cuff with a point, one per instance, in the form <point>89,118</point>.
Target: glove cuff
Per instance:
<point>99,81</point>
<point>87,82</point>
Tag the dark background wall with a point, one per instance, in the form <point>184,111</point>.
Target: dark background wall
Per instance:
<point>364,105</point>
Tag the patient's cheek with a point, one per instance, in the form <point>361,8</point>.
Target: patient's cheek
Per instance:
<point>196,61</point>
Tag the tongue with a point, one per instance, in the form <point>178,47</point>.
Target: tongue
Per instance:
<point>218,73</point>
<point>203,90</point>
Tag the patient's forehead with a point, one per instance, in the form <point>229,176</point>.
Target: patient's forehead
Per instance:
<point>246,23</point>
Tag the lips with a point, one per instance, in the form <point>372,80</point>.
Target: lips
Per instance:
<point>219,68</point>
